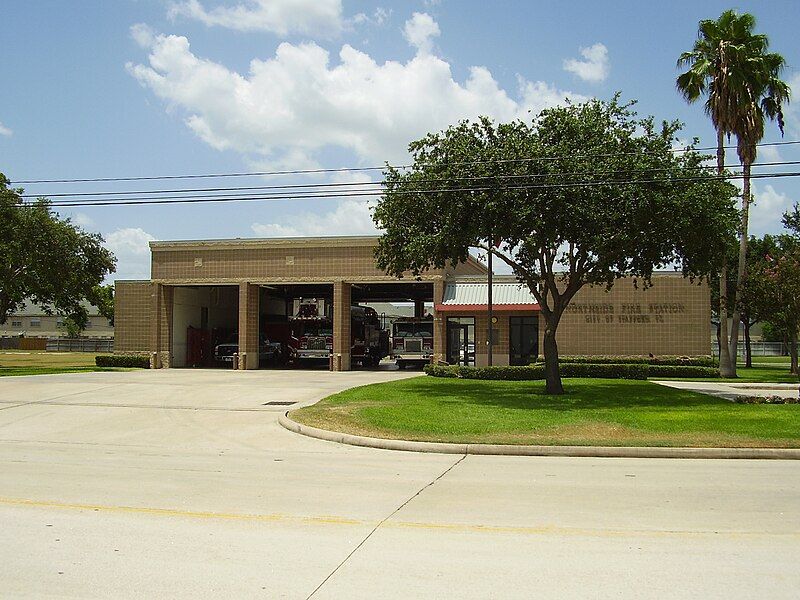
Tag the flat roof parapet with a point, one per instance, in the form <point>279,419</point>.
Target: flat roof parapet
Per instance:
<point>286,242</point>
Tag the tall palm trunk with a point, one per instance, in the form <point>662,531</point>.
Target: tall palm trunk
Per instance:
<point>740,274</point>
<point>748,345</point>
<point>725,368</point>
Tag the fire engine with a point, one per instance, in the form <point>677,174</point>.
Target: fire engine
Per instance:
<point>412,341</point>
<point>312,334</point>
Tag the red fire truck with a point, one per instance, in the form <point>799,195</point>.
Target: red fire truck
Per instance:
<point>412,341</point>
<point>312,335</point>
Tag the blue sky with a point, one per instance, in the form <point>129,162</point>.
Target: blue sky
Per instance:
<point>152,87</point>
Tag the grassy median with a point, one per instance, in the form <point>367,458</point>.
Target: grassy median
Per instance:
<point>592,412</point>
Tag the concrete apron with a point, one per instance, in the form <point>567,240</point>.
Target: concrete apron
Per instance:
<point>520,450</point>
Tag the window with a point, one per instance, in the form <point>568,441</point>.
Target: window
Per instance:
<point>88,324</point>
<point>36,322</point>
<point>59,322</point>
<point>16,324</point>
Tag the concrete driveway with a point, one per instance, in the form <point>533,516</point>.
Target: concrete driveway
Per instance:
<point>181,484</point>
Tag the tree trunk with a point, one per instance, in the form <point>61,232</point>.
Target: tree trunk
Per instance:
<point>793,353</point>
<point>725,368</point>
<point>748,349</point>
<point>552,373</point>
<point>740,274</point>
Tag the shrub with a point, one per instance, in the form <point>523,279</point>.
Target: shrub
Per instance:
<point>536,372</point>
<point>688,361</point>
<point>524,373</point>
<point>682,371</point>
<point>123,360</point>
<point>441,370</point>
<point>604,371</point>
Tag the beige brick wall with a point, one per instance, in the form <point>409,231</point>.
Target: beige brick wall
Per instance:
<point>132,305</point>
<point>248,326</point>
<point>672,317</point>
<point>342,294</point>
<point>275,260</point>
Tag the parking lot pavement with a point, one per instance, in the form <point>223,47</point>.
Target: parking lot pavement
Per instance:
<point>180,483</point>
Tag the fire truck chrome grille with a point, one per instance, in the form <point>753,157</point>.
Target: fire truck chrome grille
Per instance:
<point>317,343</point>
<point>413,345</point>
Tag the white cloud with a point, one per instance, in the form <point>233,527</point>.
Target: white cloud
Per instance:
<point>350,217</point>
<point>594,66</point>
<point>298,103</point>
<point>379,17</point>
<point>5,131</point>
<point>791,110</point>
<point>767,210</point>
<point>282,17</point>
<point>420,30</point>
<point>83,220</point>
<point>131,247</point>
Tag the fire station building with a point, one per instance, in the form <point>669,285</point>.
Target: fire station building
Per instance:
<point>251,287</point>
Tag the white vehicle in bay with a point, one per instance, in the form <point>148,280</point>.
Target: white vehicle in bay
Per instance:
<point>412,341</point>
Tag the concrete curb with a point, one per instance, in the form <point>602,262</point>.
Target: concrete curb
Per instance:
<point>512,450</point>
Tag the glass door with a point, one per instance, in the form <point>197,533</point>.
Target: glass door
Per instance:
<point>524,340</point>
<point>461,341</point>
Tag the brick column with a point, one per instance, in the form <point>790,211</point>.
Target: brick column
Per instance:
<point>439,322</point>
<point>161,326</point>
<point>341,325</point>
<point>248,326</point>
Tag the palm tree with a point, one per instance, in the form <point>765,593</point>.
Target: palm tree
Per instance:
<point>731,66</point>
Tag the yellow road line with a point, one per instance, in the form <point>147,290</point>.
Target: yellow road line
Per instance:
<point>338,520</point>
<point>173,512</point>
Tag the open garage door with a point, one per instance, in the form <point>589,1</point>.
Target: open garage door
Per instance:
<point>203,319</point>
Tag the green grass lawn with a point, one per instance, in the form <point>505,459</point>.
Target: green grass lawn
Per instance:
<point>22,362</point>
<point>592,412</point>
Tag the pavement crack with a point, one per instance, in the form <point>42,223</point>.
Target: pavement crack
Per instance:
<point>382,521</point>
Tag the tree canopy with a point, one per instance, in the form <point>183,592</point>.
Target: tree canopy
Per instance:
<point>584,194</point>
<point>772,287</point>
<point>47,259</point>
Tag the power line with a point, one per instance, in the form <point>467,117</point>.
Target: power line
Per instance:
<point>361,169</point>
<point>333,196</point>
<point>310,187</point>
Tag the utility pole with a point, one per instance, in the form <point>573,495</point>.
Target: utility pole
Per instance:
<point>489,306</point>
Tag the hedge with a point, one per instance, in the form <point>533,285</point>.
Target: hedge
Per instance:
<point>682,371</point>
<point>536,372</point>
<point>678,361</point>
<point>123,360</point>
<point>583,370</point>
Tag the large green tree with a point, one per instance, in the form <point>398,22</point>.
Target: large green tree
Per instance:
<point>47,259</point>
<point>731,66</point>
<point>585,194</point>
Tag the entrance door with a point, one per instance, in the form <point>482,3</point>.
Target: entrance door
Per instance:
<point>461,341</point>
<point>524,346</point>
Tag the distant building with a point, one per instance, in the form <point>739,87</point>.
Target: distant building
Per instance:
<point>32,321</point>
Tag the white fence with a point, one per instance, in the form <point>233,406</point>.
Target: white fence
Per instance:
<point>757,348</point>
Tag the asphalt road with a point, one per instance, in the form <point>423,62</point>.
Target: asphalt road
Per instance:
<point>180,484</point>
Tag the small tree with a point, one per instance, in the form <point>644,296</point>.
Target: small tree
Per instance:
<point>47,259</point>
<point>772,288</point>
<point>585,194</point>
